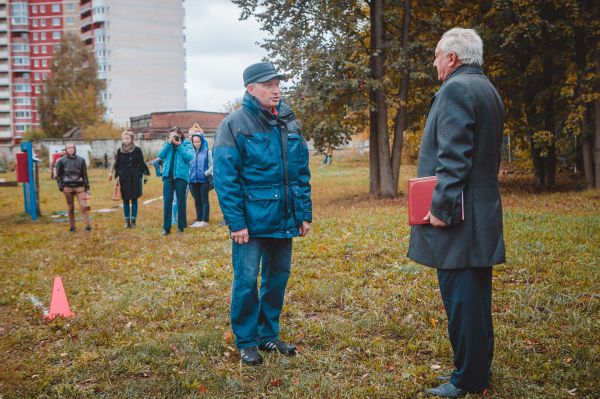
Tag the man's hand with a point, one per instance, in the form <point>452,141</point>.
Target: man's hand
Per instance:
<point>172,138</point>
<point>240,236</point>
<point>109,177</point>
<point>304,228</point>
<point>435,222</point>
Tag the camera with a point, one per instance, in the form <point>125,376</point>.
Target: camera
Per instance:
<point>176,138</point>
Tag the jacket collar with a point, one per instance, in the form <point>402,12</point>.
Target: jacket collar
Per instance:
<point>284,112</point>
<point>465,68</point>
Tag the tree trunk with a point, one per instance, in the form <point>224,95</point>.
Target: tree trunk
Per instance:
<point>586,138</point>
<point>375,187</point>
<point>400,122</point>
<point>378,73</point>
<point>588,156</point>
<point>596,154</point>
<point>549,161</point>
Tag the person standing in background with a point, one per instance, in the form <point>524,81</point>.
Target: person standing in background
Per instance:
<point>129,168</point>
<point>201,168</point>
<point>72,180</point>
<point>176,155</point>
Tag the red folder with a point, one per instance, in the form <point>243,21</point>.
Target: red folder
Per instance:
<point>420,192</point>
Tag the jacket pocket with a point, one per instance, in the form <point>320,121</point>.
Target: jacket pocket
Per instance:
<point>298,205</point>
<point>297,148</point>
<point>263,209</point>
<point>258,150</point>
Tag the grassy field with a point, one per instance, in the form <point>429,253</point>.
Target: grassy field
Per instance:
<point>153,313</point>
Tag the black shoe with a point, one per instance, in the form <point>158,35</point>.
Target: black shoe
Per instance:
<point>88,228</point>
<point>280,346</point>
<point>132,222</point>
<point>166,232</point>
<point>180,231</point>
<point>127,224</point>
<point>72,229</point>
<point>447,390</point>
<point>251,356</point>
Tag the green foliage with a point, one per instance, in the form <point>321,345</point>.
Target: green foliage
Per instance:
<point>540,55</point>
<point>71,96</point>
<point>34,134</point>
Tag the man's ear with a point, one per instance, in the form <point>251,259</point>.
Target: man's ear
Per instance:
<point>250,89</point>
<point>453,59</point>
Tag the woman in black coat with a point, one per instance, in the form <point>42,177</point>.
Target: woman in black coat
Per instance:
<point>129,167</point>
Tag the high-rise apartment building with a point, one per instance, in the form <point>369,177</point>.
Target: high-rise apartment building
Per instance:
<point>31,29</point>
<point>6,133</point>
<point>139,46</point>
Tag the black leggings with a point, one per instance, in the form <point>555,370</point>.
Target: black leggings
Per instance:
<point>200,193</point>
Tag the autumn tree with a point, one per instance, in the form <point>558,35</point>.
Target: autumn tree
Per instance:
<point>71,96</point>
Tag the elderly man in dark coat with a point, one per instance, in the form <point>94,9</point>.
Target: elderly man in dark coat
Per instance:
<point>461,146</point>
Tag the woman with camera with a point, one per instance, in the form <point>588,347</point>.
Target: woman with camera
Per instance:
<point>176,155</point>
<point>129,167</point>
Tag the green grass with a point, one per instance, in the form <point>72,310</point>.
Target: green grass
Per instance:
<point>153,313</point>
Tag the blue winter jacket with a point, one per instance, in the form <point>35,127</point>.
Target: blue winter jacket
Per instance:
<point>183,155</point>
<point>259,186</point>
<point>201,166</point>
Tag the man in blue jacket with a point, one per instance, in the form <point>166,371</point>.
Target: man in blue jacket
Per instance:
<point>461,146</point>
<point>262,180</point>
<point>176,155</point>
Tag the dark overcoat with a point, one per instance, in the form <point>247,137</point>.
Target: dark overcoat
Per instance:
<point>461,146</point>
<point>129,168</point>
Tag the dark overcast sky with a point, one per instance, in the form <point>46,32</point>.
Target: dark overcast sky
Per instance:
<point>218,48</point>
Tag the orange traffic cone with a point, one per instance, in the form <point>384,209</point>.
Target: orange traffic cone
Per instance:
<point>59,304</point>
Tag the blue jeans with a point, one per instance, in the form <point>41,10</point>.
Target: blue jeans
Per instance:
<point>200,193</point>
<point>170,187</point>
<point>254,315</point>
<point>130,211</point>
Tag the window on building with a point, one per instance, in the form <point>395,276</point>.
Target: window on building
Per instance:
<point>44,76</point>
<point>36,36</point>
<point>22,101</point>
<point>22,114</point>
<point>44,63</point>
<point>18,61</point>
<point>34,9</point>
<point>43,22</point>
<point>19,47</point>
<point>22,88</point>
<point>55,7</point>
<point>44,49</point>
<point>56,35</point>
<point>55,21</point>
<point>36,49</point>
<point>36,76</point>
<point>35,23</point>
<point>70,6</point>
<point>43,35</point>
<point>36,63</point>
<point>21,128</point>
<point>70,21</point>
<point>42,8</point>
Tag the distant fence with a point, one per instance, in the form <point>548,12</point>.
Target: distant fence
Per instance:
<point>95,150</point>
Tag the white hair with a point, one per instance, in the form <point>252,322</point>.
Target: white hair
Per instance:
<point>465,43</point>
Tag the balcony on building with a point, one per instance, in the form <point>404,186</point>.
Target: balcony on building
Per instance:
<point>85,7</point>
<point>17,25</point>
<point>87,35</point>
<point>86,21</point>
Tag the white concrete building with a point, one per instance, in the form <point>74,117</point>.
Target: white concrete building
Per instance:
<point>139,45</point>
